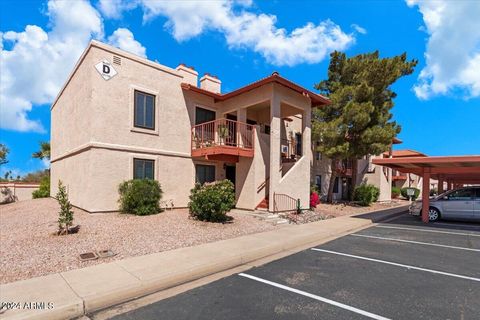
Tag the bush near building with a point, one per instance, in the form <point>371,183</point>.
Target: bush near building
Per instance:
<point>403,191</point>
<point>395,192</point>
<point>212,201</point>
<point>314,199</point>
<point>366,194</point>
<point>140,196</point>
<point>44,189</point>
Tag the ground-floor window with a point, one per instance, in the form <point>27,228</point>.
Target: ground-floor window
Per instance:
<point>204,173</point>
<point>143,169</point>
<point>318,182</point>
<point>335,185</point>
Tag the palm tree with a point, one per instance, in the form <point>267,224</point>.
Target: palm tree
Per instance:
<point>44,152</point>
<point>3,153</point>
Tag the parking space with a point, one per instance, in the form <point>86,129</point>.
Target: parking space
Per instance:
<point>394,270</point>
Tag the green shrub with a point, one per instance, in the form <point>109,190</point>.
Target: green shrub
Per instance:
<point>44,189</point>
<point>433,192</point>
<point>211,202</point>
<point>403,191</point>
<point>395,192</point>
<point>65,215</point>
<point>140,196</point>
<point>365,194</point>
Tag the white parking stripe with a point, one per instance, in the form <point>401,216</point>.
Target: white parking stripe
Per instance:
<point>398,264</point>
<point>456,224</point>
<point>313,296</point>
<point>415,242</point>
<point>428,230</point>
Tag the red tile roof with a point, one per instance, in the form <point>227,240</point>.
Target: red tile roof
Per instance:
<point>404,154</point>
<point>317,99</point>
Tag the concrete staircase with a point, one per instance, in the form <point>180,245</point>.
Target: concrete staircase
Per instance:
<point>263,215</point>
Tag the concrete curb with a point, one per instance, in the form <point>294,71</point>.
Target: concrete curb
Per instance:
<point>78,292</point>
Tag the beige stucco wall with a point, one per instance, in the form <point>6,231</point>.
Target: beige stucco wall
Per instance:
<point>14,191</point>
<point>72,114</point>
<point>94,141</point>
<point>76,175</point>
<point>366,172</point>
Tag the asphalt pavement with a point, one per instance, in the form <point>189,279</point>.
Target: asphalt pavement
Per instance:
<point>402,269</point>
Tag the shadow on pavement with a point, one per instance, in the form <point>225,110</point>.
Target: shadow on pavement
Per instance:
<point>408,220</point>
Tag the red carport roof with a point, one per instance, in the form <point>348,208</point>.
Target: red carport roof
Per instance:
<point>317,99</point>
<point>404,153</point>
<point>464,169</point>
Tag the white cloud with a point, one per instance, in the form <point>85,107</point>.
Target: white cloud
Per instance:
<point>244,29</point>
<point>114,8</point>
<point>453,48</point>
<point>36,62</point>
<point>123,39</point>
<point>359,29</point>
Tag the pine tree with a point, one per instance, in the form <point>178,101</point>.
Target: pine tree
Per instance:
<point>358,122</point>
<point>65,215</point>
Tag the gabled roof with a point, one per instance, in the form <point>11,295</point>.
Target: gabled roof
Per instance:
<point>317,99</point>
<point>405,153</point>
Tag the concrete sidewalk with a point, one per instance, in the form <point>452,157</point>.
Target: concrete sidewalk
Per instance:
<point>77,292</point>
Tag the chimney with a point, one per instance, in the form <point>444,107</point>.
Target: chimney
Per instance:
<point>189,74</point>
<point>210,83</point>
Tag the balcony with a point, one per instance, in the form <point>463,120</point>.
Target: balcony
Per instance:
<point>223,140</point>
<point>396,175</point>
<point>344,167</point>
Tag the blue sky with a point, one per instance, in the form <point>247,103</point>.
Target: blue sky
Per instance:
<point>438,106</point>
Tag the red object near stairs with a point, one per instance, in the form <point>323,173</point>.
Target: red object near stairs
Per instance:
<point>263,204</point>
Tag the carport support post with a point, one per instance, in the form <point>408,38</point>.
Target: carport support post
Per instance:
<point>425,194</point>
<point>440,185</point>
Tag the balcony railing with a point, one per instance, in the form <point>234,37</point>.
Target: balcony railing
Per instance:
<point>344,167</point>
<point>223,136</point>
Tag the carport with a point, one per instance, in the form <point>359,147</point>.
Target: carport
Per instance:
<point>454,170</point>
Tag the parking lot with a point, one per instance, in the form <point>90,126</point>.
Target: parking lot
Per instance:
<point>401,269</point>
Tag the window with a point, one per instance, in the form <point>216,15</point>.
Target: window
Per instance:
<point>335,185</point>
<point>204,173</point>
<point>144,110</point>
<point>143,169</point>
<point>318,155</point>
<point>298,144</point>
<point>318,182</point>
<point>203,115</point>
<point>462,194</point>
<point>478,194</point>
<point>267,129</point>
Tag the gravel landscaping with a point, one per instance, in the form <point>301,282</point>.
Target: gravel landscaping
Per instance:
<point>345,208</point>
<point>29,248</point>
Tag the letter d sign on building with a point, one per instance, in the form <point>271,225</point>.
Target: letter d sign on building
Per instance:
<point>106,70</point>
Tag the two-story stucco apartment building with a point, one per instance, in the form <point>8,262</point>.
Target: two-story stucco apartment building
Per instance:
<point>120,117</point>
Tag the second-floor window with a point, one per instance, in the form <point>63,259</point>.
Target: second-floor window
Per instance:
<point>318,155</point>
<point>144,110</point>
<point>298,144</point>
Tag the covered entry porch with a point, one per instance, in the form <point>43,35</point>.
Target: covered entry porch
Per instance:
<point>452,171</point>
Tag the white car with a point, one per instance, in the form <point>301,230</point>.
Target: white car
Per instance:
<point>457,204</point>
